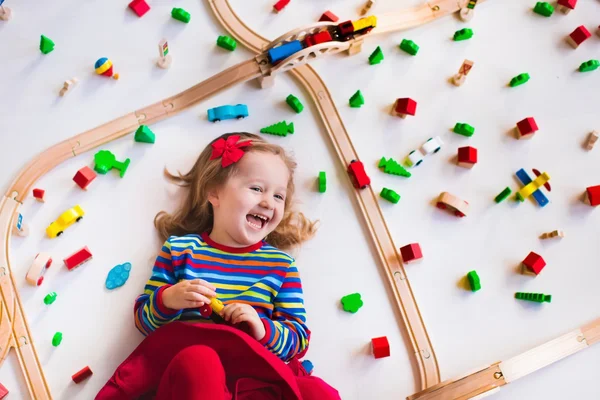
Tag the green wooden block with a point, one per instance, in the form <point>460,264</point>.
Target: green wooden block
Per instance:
<point>143,134</point>
<point>390,195</point>
<point>463,34</point>
<point>226,42</point>
<point>352,302</point>
<point>393,167</point>
<point>537,297</point>
<point>56,339</point>
<point>464,129</point>
<point>543,8</point>
<point>294,103</point>
<point>376,57</point>
<point>409,46</point>
<point>180,14</point>
<point>46,44</point>
<point>280,129</point>
<point>474,281</point>
<point>322,182</point>
<point>50,298</point>
<point>503,195</point>
<point>589,66</point>
<point>519,79</point>
<point>357,99</point>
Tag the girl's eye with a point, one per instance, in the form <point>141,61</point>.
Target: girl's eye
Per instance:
<point>280,197</point>
<point>256,189</point>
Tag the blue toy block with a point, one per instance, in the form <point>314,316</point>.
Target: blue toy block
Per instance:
<point>308,366</point>
<point>538,195</point>
<point>117,276</point>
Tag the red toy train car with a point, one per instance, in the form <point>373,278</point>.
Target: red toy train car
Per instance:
<point>358,174</point>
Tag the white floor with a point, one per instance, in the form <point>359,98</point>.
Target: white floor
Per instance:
<point>468,330</point>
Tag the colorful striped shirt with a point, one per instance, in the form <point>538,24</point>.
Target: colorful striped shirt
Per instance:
<point>259,275</point>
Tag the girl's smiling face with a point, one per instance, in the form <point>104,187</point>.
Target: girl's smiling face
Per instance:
<point>251,203</point>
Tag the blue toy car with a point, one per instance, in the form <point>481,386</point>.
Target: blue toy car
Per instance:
<point>217,114</point>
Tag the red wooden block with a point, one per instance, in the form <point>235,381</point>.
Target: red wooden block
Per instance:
<point>329,16</point>
<point>526,128</point>
<point>578,36</point>
<point>3,391</point>
<point>317,38</point>
<point>84,373</point>
<point>411,252</point>
<point>79,257</point>
<point>380,347</point>
<point>592,195</point>
<point>280,5</point>
<point>404,107</point>
<point>467,156</point>
<point>565,6</point>
<point>84,177</point>
<point>534,263</point>
<point>38,194</point>
<point>140,7</point>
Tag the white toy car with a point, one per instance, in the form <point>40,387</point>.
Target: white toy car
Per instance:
<point>415,157</point>
<point>35,275</point>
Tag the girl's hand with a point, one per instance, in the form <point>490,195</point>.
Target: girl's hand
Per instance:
<point>240,312</point>
<point>188,294</point>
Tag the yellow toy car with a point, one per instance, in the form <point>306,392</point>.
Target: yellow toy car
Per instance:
<point>65,220</point>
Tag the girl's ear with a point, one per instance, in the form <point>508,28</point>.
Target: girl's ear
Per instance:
<point>213,198</point>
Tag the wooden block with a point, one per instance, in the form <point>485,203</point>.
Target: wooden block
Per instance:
<point>592,138</point>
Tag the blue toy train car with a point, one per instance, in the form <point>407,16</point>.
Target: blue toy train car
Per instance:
<point>282,52</point>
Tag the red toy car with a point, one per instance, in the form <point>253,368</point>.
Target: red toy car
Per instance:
<point>79,257</point>
<point>359,176</point>
<point>35,275</point>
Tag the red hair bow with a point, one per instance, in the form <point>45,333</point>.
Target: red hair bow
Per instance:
<point>229,150</point>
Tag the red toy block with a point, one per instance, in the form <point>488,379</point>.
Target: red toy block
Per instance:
<point>84,373</point>
<point>411,252</point>
<point>3,391</point>
<point>38,194</point>
<point>526,128</point>
<point>280,5</point>
<point>534,263</point>
<point>84,177</point>
<point>404,107</point>
<point>578,36</point>
<point>565,6</point>
<point>380,347</point>
<point>329,17</point>
<point>140,7</point>
<point>79,257</point>
<point>321,37</point>
<point>592,195</point>
<point>467,157</point>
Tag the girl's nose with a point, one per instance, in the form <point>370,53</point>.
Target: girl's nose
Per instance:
<point>267,203</point>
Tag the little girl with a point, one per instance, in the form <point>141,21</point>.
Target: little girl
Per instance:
<point>226,243</point>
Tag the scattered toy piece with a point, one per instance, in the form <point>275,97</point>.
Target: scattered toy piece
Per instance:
<point>376,56</point>
<point>466,13</point>
<point>403,107</point>
<point>390,195</point>
<point>226,42</point>
<point>464,129</point>
<point>84,177</point>
<point>217,114</point>
<point>35,274</point>
<point>66,219</point>
<point>78,258</point>
<point>591,140</point>
<point>578,36</point>
<point>392,167</point>
<point>592,195</point>
<point>467,157</point>
<point>463,34</point>
<point>38,194</point>
<point>357,100</point>
<point>409,46</point>
<point>474,281</point>
<point>20,228</point>
<point>164,58</point>
<point>411,252</point>
<point>294,103</point>
<point>308,366</point>
<point>143,134</point>
<point>105,160</point>
<point>588,66</point>
<point>453,204</point>
<point>380,347</point>
<point>322,182</point>
<point>104,67</point>
<point>180,14</point>
<point>565,6</point>
<point>139,7</point>
<point>280,5</point>
<point>526,128</point>
<point>459,78</point>
<point>359,177</point>
<point>503,195</point>
<point>532,187</point>
<point>280,129</point>
<point>537,297</point>
<point>540,197</point>
<point>46,44</point>
<point>50,298</point>
<point>533,263</point>
<point>117,276</point>
<point>352,302</point>
<point>3,390</point>
<point>67,86</point>
<point>543,8</point>
<point>328,16</point>
<point>57,339</point>
<point>553,234</point>
<point>431,146</point>
<point>84,373</point>
<point>367,7</point>
<point>519,79</point>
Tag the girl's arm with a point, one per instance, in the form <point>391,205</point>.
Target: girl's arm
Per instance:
<point>286,332</point>
<point>149,311</point>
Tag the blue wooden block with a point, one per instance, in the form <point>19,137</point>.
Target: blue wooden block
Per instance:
<point>538,195</point>
<point>117,276</point>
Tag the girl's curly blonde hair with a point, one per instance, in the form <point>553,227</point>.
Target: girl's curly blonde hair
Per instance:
<point>196,214</point>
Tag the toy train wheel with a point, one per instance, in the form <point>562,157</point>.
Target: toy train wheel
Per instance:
<point>441,206</point>
<point>205,310</point>
<point>216,120</point>
<point>40,280</point>
<point>59,233</point>
<point>241,117</point>
<point>48,263</point>
<point>459,214</point>
<point>78,219</point>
